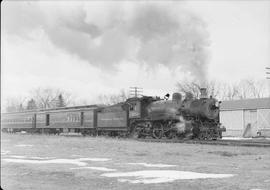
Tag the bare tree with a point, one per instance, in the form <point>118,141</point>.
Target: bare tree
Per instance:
<point>31,104</point>
<point>255,88</point>
<point>48,97</point>
<point>214,88</point>
<point>193,88</point>
<point>110,99</point>
<point>41,98</point>
<point>250,88</point>
<point>187,88</point>
<point>60,102</point>
<point>229,92</point>
<point>246,88</point>
<point>13,104</point>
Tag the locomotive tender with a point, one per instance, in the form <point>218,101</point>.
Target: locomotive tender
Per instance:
<point>138,117</point>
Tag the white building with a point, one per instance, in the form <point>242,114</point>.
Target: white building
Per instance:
<point>246,118</point>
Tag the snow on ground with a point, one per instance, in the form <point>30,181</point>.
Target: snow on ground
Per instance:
<point>41,158</point>
<point>242,138</point>
<point>160,176</point>
<point>152,165</point>
<point>235,138</point>
<point>24,145</point>
<point>31,157</point>
<point>95,168</point>
<point>78,162</point>
<point>54,161</point>
<point>94,159</point>
<point>144,176</point>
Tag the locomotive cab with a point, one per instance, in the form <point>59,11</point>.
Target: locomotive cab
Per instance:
<point>137,106</point>
<point>134,108</point>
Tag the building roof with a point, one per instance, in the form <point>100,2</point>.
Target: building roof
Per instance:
<point>258,103</point>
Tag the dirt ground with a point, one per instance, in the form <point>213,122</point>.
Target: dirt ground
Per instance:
<point>58,162</point>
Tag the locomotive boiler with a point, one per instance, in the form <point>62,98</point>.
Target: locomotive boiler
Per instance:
<point>165,109</point>
<point>204,108</point>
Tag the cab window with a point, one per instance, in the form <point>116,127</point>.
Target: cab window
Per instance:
<point>132,107</point>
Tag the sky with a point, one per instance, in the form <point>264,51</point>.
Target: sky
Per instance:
<point>93,48</point>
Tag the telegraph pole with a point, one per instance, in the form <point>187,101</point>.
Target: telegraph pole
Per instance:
<point>135,91</point>
<point>268,77</point>
<point>267,72</point>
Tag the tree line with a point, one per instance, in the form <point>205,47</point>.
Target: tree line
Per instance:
<point>44,98</point>
<point>247,88</point>
<point>41,99</point>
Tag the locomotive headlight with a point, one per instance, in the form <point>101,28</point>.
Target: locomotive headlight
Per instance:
<point>217,104</point>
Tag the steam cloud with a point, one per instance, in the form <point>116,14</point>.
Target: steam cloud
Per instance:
<point>149,34</point>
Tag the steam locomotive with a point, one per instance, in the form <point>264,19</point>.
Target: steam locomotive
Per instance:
<point>176,118</point>
<point>138,117</point>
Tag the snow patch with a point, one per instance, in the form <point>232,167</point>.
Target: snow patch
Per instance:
<point>96,168</point>
<point>94,159</point>
<point>78,162</point>
<point>41,158</point>
<point>152,165</point>
<point>54,161</point>
<point>237,138</point>
<point>245,138</point>
<point>160,176</point>
<point>24,145</point>
<point>31,157</point>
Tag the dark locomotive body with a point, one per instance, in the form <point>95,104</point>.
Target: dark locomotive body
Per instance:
<point>138,117</point>
<point>177,118</point>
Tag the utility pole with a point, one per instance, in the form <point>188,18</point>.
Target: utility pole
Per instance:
<point>267,72</point>
<point>268,77</point>
<point>135,91</point>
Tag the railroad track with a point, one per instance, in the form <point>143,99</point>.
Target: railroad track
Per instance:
<point>249,143</point>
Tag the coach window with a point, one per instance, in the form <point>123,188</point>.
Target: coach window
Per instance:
<point>47,119</point>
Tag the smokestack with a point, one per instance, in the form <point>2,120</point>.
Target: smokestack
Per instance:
<point>203,93</point>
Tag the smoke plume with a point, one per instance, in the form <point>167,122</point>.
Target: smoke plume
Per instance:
<point>144,33</point>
